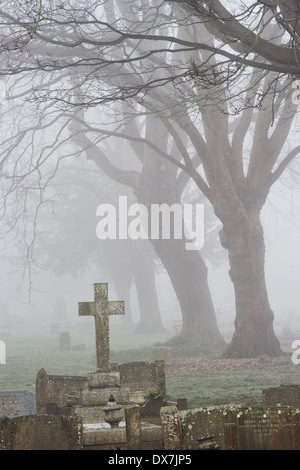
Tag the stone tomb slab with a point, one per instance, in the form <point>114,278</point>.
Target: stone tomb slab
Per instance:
<point>99,437</point>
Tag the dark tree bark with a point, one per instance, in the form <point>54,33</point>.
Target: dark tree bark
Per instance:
<point>254,334</point>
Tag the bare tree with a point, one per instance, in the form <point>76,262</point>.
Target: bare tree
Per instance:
<point>158,58</point>
<point>156,182</point>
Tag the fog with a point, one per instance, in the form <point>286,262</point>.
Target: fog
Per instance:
<point>84,122</point>
<point>30,309</point>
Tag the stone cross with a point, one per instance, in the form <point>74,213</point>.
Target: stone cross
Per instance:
<point>101,308</point>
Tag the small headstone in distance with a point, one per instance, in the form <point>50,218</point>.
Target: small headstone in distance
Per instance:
<point>2,352</point>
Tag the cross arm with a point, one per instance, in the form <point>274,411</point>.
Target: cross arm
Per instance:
<point>86,309</point>
<point>116,307</point>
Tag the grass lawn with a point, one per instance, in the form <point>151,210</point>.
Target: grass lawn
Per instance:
<point>27,355</point>
<point>241,387</point>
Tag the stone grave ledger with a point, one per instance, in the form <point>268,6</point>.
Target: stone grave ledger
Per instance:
<point>15,403</point>
<point>232,427</point>
<point>268,428</point>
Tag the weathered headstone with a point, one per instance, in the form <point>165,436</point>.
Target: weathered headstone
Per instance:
<point>172,433</point>
<point>161,353</point>
<point>41,433</point>
<point>267,428</point>
<point>101,309</point>
<point>57,389</point>
<point>231,427</point>
<point>2,352</point>
<point>143,378</point>
<point>15,403</point>
<point>285,395</point>
<point>65,341</point>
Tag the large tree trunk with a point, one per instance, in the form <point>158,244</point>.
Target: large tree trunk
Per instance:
<point>254,334</point>
<point>188,274</point>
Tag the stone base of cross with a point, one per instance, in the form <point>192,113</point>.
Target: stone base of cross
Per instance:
<point>101,309</point>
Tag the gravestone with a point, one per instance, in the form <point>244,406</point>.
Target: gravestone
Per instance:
<point>190,429</point>
<point>2,352</point>
<point>161,353</point>
<point>41,433</point>
<point>16,403</point>
<point>143,378</point>
<point>127,382</point>
<point>88,397</point>
<point>265,428</point>
<point>285,395</point>
<point>106,380</point>
<point>65,341</point>
<point>231,427</point>
<point>57,389</point>
<point>101,309</point>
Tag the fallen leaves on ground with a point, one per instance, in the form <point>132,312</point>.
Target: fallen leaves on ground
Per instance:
<point>196,365</point>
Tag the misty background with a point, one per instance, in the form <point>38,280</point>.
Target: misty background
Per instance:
<point>54,292</point>
<point>71,141</point>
